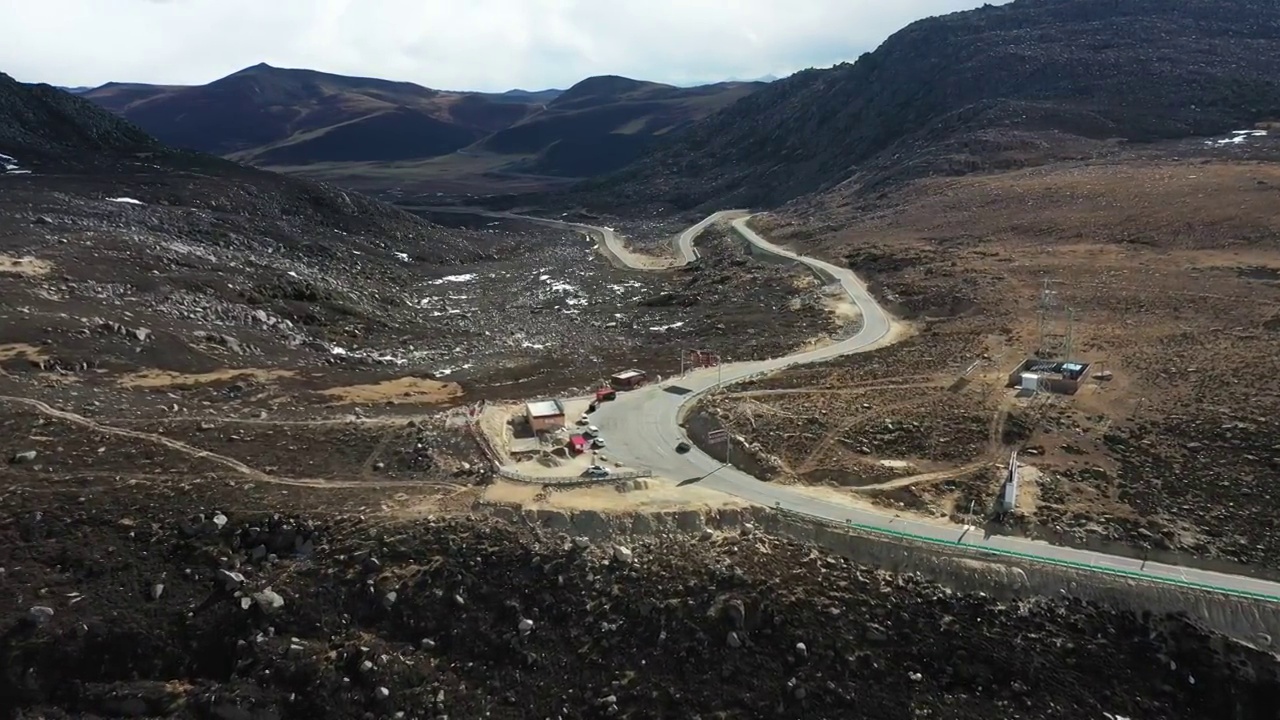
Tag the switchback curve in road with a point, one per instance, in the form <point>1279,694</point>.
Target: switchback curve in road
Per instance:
<point>643,427</point>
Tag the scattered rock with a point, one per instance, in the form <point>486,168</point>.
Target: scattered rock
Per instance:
<point>268,600</point>
<point>40,614</point>
<point>230,581</point>
<point>25,456</point>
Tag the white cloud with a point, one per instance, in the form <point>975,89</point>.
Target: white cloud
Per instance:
<point>453,44</point>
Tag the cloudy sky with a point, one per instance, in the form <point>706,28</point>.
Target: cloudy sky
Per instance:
<point>450,44</point>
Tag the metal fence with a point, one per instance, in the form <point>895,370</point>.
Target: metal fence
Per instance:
<point>989,551</point>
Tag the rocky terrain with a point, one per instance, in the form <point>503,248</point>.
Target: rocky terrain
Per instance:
<point>211,600</point>
<point>1004,86</point>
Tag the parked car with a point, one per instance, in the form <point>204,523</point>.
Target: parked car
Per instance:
<point>584,421</point>
<point>597,471</point>
<point>683,447</point>
<point>597,443</point>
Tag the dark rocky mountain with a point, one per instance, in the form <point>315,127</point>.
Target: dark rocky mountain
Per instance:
<point>276,116</point>
<point>606,122</point>
<point>59,142</point>
<point>991,88</point>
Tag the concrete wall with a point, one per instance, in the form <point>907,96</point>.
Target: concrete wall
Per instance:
<point>1251,621</point>
<point>546,424</point>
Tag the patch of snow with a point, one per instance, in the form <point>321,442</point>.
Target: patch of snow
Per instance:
<point>7,158</point>
<point>664,328</point>
<point>338,351</point>
<point>465,277</point>
<point>451,370</point>
<point>404,257</point>
<point>18,172</point>
<point>293,274</point>
<point>895,463</point>
<point>1237,137</point>
<point>125,200</point>
<point>576,301</point>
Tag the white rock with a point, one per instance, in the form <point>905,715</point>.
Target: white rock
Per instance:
<point>581,543</point>
<point>525,626</point>
<point>622,553</point>
<point>157,590</point>
<point>40,614</point>
<point>230,580</point>
<point>220,520</point>
<point>382,693</point>
<point>268,600</point>
<point>735,640</point>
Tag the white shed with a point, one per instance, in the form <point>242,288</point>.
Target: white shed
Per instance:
<point>1030,381</point>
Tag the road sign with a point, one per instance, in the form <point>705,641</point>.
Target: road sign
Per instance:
<point>717,435</point>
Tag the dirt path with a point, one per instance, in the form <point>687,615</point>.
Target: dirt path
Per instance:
<point>199,453</point>
<point>924,477</point>
<point>854,389</point>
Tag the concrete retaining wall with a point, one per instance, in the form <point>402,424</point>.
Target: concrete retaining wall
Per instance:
<point>1256,622</point>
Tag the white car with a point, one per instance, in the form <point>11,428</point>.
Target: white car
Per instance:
<point>597,471</point>
<point>597,443</point>
<point>583,421</point>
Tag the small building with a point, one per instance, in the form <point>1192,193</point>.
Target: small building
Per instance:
<point>1009,494</point>
<point>627,379</point>
<point>545,415</point>
<point>578,444</point>
<point>1056,376</point>
<point>1030,382</point>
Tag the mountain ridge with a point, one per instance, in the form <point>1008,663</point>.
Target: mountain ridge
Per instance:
<point>1000,86</point>
<point>290,117</point>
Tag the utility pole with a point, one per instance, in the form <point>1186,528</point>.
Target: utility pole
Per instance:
<point>682,362</point>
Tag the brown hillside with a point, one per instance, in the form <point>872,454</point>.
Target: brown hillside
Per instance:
<point>267,115</point>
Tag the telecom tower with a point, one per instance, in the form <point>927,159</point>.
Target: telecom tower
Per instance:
<point>1056,327</point>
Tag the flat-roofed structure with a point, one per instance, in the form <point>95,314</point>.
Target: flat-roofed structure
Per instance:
<point>1057,376</point>
<point>627,379</point>
<point>545,415</point>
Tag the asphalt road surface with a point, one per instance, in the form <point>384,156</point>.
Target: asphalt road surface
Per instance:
<point>643,429</point>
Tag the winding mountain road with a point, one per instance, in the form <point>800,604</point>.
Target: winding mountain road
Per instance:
<point>643,427</point>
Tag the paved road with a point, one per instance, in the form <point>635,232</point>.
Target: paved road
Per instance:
<point>683,244</point>
<point>643,428</point>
